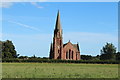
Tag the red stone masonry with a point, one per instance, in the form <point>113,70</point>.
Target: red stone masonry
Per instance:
<point>58,50</point>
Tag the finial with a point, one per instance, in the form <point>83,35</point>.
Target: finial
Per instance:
<point>58,11</point>
<point>69,40</point>
<point>77,42</point>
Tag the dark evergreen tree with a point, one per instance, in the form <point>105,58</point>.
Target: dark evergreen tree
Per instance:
<point>108,52</point>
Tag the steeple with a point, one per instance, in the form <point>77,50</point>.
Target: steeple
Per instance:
<point>57,39</point>
<point>61,51</point>
<point>58,24</point>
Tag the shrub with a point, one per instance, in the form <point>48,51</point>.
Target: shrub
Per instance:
<point>39,60</point>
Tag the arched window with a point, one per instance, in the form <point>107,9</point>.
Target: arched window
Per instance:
<point>69,54</point>
<point>72,54</point>
<point>58,51</point>
<point>76,56</point>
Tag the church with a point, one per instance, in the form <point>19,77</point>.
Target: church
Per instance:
<point>58,50</point>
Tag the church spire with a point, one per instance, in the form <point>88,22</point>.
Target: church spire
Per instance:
<point>58,24</point>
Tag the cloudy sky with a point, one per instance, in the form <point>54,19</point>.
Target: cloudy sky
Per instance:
<point>30,25</point>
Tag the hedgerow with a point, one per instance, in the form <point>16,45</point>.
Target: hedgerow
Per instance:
<point>61,61</point>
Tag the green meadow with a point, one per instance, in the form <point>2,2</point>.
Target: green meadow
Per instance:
<point>59,70</point>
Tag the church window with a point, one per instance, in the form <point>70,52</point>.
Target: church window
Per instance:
<point>66,55</point>
<point>72,54</point>
<point>69,53</point>
<point>58,51</point>
<point>76,56</point>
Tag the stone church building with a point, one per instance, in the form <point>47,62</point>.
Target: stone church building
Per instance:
<point>58,50</point>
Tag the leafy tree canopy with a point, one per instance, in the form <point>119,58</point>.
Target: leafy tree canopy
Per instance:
<point>8,49</point>
<point>108,52</point>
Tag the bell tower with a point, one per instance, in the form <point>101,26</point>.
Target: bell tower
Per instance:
<point>57,39</point>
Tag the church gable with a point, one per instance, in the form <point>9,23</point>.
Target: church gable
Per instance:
<point>69,45</point>
<point>74,46</point>
<point>71,51</point>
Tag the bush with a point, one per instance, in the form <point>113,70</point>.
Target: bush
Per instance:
<point>61,61</point>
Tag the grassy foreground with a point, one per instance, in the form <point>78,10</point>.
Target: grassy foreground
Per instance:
<point>59,70</point>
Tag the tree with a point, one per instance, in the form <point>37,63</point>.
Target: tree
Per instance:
<point>118,56</point>
<point>8,50</point>
<point>108,52</point>
<point>0,49</point>
<point>86,57</point>
<point>33,57</point>
<point>23,57</point>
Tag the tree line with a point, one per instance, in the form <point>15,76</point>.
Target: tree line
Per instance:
<point>108,52</point>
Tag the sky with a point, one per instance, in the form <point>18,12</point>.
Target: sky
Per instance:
<point>30,25</point>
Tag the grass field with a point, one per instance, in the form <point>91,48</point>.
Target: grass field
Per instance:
<point>59,70</point>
